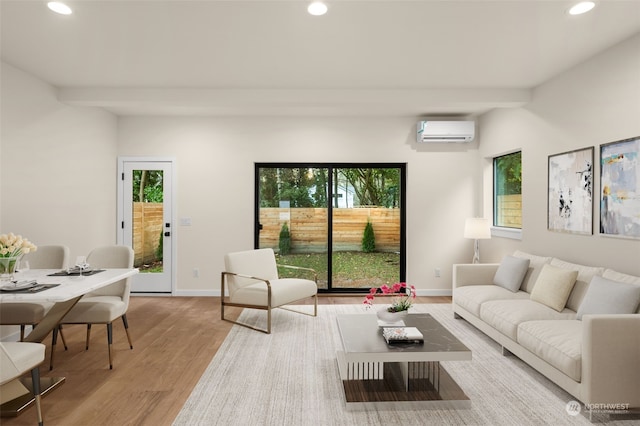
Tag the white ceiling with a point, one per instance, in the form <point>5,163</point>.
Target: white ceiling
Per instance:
<point>237,57</point>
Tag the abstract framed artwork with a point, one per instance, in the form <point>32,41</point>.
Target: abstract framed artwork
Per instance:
<point>620,188</point>
<point>570,199</point>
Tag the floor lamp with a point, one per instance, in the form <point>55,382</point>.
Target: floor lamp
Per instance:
<point>477,229</point>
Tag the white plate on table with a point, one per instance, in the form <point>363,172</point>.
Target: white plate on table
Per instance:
<point>20,285</point>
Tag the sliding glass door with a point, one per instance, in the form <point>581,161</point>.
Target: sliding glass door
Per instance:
<point>346,221</point>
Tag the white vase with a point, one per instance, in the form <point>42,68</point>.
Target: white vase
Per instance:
<point>391,317</point>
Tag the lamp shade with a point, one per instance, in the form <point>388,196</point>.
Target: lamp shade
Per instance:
<point>477,228</point>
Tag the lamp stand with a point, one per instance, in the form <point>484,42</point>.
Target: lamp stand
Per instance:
<point>476,251</point>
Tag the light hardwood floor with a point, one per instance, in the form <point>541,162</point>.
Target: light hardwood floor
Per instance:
<point>174,340</point>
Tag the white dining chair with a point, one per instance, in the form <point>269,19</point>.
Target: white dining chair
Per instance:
<point>106,304</point>
<point>31,313</point>
<point>16,358</point>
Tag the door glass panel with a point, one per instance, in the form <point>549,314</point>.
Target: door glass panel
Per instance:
<point>343,221</point>
<point>293,218</point>
<point>366,226</point>
<point>148,220</point>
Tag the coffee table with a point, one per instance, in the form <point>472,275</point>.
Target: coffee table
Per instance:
<point>374,373</point>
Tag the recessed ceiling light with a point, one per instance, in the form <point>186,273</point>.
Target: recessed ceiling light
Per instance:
<point>317,8</point>
<point>582,7</point>
<point>59,7</point>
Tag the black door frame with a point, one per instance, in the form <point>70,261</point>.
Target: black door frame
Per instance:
<point>330,167</point>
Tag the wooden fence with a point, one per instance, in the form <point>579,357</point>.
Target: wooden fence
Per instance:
<point>147,230</point>
<point>308,228</point>
<point>511,208</point>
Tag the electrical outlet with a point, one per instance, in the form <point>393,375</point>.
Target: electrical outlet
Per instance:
<point>437,272</point>
<point>196,272</point>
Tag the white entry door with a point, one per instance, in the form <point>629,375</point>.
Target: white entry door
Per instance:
<point>145,221</point>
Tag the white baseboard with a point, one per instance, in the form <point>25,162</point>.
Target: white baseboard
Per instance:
<point>197,293</point>
<point>434,292</point>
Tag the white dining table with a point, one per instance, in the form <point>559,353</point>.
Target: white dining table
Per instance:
<point>68,290</point>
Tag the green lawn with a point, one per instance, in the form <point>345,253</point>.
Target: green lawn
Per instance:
<point>351,269</point>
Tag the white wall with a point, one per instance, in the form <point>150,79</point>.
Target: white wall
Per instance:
<point>215,182</point>
<point>58,170</point>
<point>595,103</point>
<point>57,167</point>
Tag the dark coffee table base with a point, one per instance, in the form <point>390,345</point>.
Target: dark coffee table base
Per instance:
<point>394,390</point>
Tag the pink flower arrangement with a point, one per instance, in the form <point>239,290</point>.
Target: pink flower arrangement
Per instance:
<point>406,294</point>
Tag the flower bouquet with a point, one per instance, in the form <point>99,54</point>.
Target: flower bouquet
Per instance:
<point>404,296</point>
<point>12,247</point>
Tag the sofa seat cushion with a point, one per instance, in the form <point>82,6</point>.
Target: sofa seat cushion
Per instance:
<point>470,297</point>
<point>506,315</point>
<point>558,342</point>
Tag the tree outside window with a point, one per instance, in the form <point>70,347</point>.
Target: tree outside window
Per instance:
<point>507,190</point>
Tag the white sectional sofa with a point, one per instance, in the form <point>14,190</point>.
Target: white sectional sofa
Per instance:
<point>575,333</point>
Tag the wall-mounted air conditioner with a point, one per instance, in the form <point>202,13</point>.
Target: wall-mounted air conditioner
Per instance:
<point>446,131</point>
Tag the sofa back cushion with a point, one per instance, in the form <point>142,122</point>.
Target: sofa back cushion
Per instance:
<point>511,272</point>
<point>585,275</point>
<point>623,278</point>
<point>553,287</point>
<point>606,296</point>
<point>535,266</point>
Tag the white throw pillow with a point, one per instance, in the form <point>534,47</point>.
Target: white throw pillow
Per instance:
<point>511,272</point>
<point>535,266</point>
<point>553,287</point>
<point>609,297</point>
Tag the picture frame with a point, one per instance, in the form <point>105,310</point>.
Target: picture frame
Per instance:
<point>620,188</point>
<point>570,192</point>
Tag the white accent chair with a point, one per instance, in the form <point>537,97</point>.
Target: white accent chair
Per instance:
<point>16,358</point>
<point>106,304</point>
<point>253,282</point>
<point>31,313</point>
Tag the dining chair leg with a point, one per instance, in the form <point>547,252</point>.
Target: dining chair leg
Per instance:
<point>86,345</point>
<point>35,382</point>
<point>109,342</point>
<point>64,342</point>
<point>126,329</point>
<point>22,326</point>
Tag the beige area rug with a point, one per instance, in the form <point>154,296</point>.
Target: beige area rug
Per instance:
<point>291,378</point>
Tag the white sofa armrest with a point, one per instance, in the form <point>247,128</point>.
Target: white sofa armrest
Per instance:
<point>474,274</point>
<point>610,359</point>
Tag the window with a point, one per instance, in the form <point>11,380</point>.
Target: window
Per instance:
<point>507,191</point>
<point>345,220</point>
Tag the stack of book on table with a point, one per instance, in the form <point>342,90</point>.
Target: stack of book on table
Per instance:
<point>393,335</point>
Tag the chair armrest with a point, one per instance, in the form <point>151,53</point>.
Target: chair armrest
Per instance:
<point>315,274</point>
<point>474,274</point>
<point>245,276</point>
<point>610,354</point>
